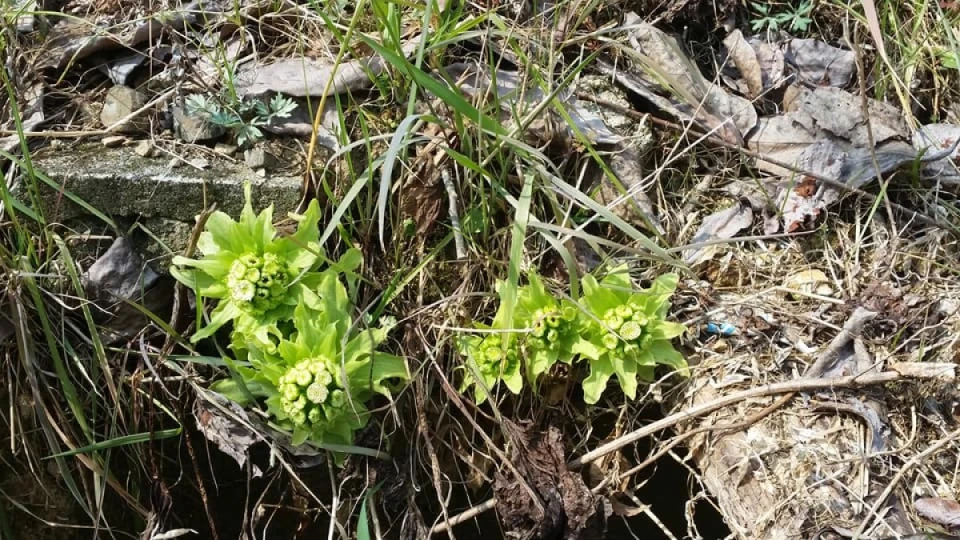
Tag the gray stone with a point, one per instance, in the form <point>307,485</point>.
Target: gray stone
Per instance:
<point>118,276</point>
<point>225,149</point>
<point>196,127</point>
<point>120,183</point>
<point>258,158</point>
<point>163,239</point>
<point>119,103</point>
<point>113,141</point>
<point>144,149</point>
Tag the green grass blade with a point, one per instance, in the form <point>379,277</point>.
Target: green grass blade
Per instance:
<point>117,442</point>
<point>456,101</point>
<point>386,171</point>
<point>363,525</point>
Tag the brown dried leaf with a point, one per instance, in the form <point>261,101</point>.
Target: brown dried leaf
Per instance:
<point>228,433</point>
<point>725,223</point>
<point>662,65</point>
<point>822,114</point>
<point>759,63</point>
<point>939,510</point>
<point>513,93</point>
<point>571,511</point>
<point>820,64</point>
<point>309,77</point>
<point>939,137</point>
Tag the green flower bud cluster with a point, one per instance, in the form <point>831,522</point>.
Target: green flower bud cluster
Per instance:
<point>310,394</point>
<point>629,333</point>
<point>257,283</point>
<point>551,326</point>
<point>492,359</point>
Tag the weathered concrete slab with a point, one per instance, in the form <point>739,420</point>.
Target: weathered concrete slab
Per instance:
<point>119,182</point>
<point>147,198</point>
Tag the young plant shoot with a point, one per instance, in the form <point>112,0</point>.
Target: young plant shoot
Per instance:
<point>617,330</point>
<point>293,324</point>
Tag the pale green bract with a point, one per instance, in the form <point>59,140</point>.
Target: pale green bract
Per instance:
<point>258,277</point>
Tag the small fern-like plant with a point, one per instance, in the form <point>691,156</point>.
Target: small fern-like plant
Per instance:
<point>243,118</point>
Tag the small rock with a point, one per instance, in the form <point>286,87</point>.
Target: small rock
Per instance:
<point>194,128</point>
<point>175,163</point>
<point>258,158</point>
<point>200,162</point>
<point>810,282</point>
<point>119,103</point>
<point>113,141</point>
<point>144,149</point>
<point>225,149</point>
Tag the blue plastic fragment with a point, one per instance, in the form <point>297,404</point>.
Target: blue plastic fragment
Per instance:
<point>722,329</point>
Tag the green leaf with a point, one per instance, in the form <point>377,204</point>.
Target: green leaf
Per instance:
<point>449,96</point>
<point>231,390</point>
<point>363,527</point>
<point>664,353</point>
<point>221,315</point>
<point>667,330</point>
<point>596,382</point>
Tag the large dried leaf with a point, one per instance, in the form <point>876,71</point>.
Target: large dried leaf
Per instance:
<point>943,511</point>
<point>820,64</point>
<point>31,113</point>
<point>300,123</point>
<point>72,40</point>
<point>119,277</point>
<point>515,94</point>
<point>939,138</point>
<point>661,66</point>
<point>759,64</point>
<point>824,113</point>
<point>722,224</point>
<point>631,202</point>
<point>304,77</point>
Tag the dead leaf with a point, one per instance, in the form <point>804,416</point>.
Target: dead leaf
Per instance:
<point>300,123</point>
<point>659,65</point>
<point>846,354</point>
<point>637,207</point>
<point>209,68</point>
<point>120,277</point>
<point>724,223</point>
<point>303,77</point>
<point>939,510</point>
<point>229,434</point>
<point>810,282</point>
<point>759,63</point>
<point>570,510</point>
<point>514,94</point>
<point>823,114</point>
<point>32,113</point>
<point>72,40</point>
<point>939,137</point>
<point>820,64</point>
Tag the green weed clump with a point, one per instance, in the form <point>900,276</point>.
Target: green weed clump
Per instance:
<point>614,328</point>
<point>292,322</point>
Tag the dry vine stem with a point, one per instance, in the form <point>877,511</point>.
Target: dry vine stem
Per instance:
<point>896,372</point>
